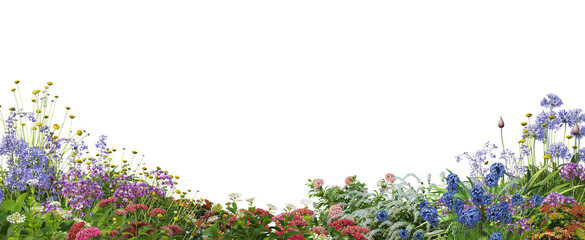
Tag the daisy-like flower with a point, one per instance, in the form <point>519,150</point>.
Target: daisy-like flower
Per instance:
<point>16,218</point>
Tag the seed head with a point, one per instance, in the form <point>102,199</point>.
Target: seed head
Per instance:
<point>521,141</point>
<point>56,126</point>
<point>49,83</point>
<point>547,156</point>
<point>523,123</point>
<point>574,147</point>
<point>543,125</point>
<point>569,137</point>
<point>529,115</point>
<point>551,116</point>
<point>72,116</point>
<point>501,123</point>
<point>13,89</point>
<point>79,132</point>
<point>17,81</point>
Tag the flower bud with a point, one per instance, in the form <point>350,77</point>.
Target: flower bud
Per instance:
<point>575,130</point>
<point>501,123</point>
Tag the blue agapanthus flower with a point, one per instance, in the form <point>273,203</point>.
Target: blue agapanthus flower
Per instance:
<point>491,180</point>
<point>536,199</point>
<point>2,196</point>
<point>496,236</point>
<point>498,169</point>
<point>404,233</point>
<point>517,199</point>
<point>382,215</point>
<point>551,101</point>
<point>418,236</point>
<point>559,150</point>
<point>453,183</point>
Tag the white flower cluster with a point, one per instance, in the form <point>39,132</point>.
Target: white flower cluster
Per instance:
<point>16,218</point>
<point>271,207</point>
<point>305,201</point>
<point>291,206</point>
<point>212,219</point>
<point>234,195</point>
<point>33,182</point>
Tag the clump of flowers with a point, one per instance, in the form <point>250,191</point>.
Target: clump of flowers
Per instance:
<point>555,198</point>
<point>570,171</point>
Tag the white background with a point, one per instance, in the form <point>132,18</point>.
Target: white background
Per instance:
<point>256,97</point>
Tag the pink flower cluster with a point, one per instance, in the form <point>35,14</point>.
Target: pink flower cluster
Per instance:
<point>319,230</point>
<point>349,180</point>
<point>171,229</point>
<point>156,211</point>
<point>335,211</point>
<point>390,178</point>
<point>318,183</point>
<point>88,233</point>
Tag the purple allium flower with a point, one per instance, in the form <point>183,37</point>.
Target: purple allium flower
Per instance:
<point>453,183</point>
<point>551,101</point>
<point>570,171</point>
<point>496,236</point>
<point>404,233</point>
<point>555,198</point>
<point>491,180</point>
<point>382,215</point>
<point>536,199</point>
<point>517,199</point>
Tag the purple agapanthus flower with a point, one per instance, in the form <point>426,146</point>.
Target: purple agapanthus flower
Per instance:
<point>559,150</point>
<point>551,101</point>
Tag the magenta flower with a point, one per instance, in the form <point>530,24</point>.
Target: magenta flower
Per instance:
<point>88,233</point>
<point>317,183</point>
<point>390,178</point>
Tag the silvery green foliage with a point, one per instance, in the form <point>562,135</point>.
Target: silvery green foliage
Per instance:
<point>401,202</point>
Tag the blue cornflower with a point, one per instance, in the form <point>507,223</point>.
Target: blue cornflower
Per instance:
<point>491,180</point>
<point>517,199</point>
<point>382,215</point>
<point>404,233</point>
<point>423,204</point>
<point>487,200</point>
<point>447,199</point>
<point>496,236</point>
<point>498,169</point>
<point>553,101</point>
<point>418,235</point>
<point>536,199</point>
<point>452,183</point>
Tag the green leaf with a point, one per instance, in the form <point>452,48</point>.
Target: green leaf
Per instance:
<point>7,205</point>
<point>19,202</point>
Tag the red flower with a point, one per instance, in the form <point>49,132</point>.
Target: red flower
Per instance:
<point>76,228</point>
<point>341,223</point>
<point>156,211</point>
